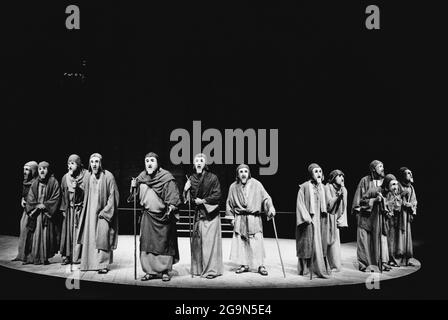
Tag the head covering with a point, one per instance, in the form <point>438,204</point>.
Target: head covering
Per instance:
<point>76,159</point>
<point>313,166</point>
<point>201,155</point>
<point>402,176</point>
<point>33,167</point>
<point>374,164</point>
<point>334,174</point>
<point>402,172</point>
<point>99,156</point>
<point>153,155</point>
<point>241,166</point>
<point>44,164</point>
<point>387,179</point>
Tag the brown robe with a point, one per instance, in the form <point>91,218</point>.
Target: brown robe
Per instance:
<point>404,248</point>
<point>206,243</point>
<point>44,241</point>
<point>71,207</point>
<point>337,209</point>
<point>363,210</point>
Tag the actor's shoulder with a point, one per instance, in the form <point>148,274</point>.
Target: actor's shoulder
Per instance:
<point>233,185</point>
<point>108,174</point>
<point>365,179</point>
<point>304,184</point>
<point>212,175</point>
<point>254,181</point>
<point>53,179</point>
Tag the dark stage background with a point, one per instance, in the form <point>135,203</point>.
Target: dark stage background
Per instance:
<point>339,94</point>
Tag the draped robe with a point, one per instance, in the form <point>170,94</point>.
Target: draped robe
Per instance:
<point>366,233</point>
<point>24,231</point>
<point>337,209</point>
<point>404,248</point>
<point>393,205</point>
<point>311,238</point>
<point>98,223</point>
<point>158,235</point>
<point>379,223</point>
<point>245,203</point>
<point>43,244</point>
<point>206,240</point>
<point>71,205</point>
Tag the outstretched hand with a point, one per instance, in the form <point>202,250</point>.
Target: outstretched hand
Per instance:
<point>187,185</point>
<point>198,201</point>
<point>271,214</point>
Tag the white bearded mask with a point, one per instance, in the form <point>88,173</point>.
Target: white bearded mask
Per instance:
<point>151,165</point>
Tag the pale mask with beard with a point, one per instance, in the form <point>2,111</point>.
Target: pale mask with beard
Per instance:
<point>26,173</point>
<point>379,170</point>
<point>199,164</point>
<point>151,165</point>
<point>95,164</point>
<point>339,180</point>
<point>243,175</point>
<point>408,176</point>
<point>72,168</point>
<point>317,175</point>
<point>43,171</point>
<point>393,186</point>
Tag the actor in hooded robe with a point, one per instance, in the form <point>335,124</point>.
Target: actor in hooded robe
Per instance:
<point>98,223</point>
<point>362,206</point>
<point>29,175</point>
<point>376,199</point>
<point>336,195</point>
<point>72,198</point>
<point>158,194</point>
<point>404,249</point>
<point>393,203</point>
<point>312,225</point>
<point>203,189</point>
<point>246,201</point>
<point>42,205</point>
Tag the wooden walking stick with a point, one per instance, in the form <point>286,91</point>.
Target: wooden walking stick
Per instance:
<point>278,247</point>
<point>380,218</point>
<point>134,185</point>
<point>190,228</point>
<point>312,254</point>
<point>73,240</point>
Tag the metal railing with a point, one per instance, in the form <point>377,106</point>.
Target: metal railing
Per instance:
<point>183,224</point>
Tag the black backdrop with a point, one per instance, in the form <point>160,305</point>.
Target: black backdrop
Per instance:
<point>339,94</point>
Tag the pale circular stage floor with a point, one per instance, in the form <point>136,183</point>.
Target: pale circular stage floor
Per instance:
<point>122,271</point>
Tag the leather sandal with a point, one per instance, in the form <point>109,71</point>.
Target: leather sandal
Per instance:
<point>262,270</point>
<point>103,271</point>
<point>386,267</point>
<point>147,277</point>
<point>242,269</point>
<point>166,277</point>
<point>393,264</point>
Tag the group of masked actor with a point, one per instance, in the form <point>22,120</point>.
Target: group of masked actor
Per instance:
<point>385,207</point>
<point>76,217</point>
<point>87,200</point>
